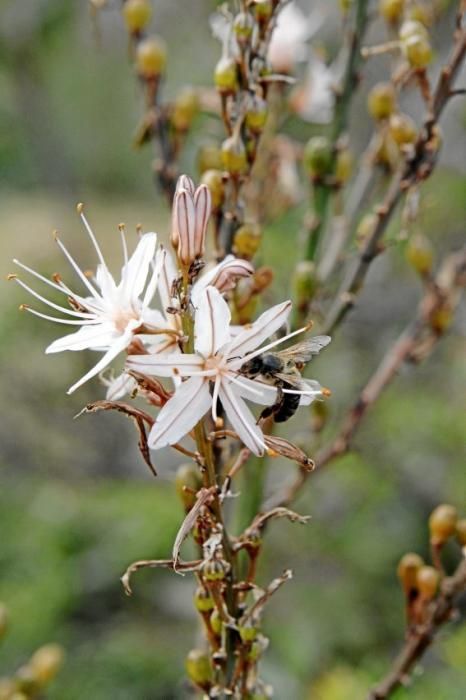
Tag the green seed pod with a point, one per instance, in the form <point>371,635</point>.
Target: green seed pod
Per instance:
<point>417,50</point>
<point>198,668</point>
<point>209,157</point>
<point>402,129</point>
<point>234,157</point>
<point>442,523</point>
<point>427,581</point>
<point>461,532</point>
<point>151,57</point>
<point>407,570</point>
<point>419,254</point>
<point>214,570</point>
<point>226,76</point>
<point>247,632</point>
<point>381,101</point>
<point>247,240</point>
<point>46,662</point>
<point>305,281</point>
<point>256,114</point>
<point>187,475</point>
<point>216,622</point>
<point>203,601</point>
<point>185,108</point>
<point>214,180</point>
<point>243,26</point>
<point>391,10</point>
<point>137,14</point>
<point>317,158</point>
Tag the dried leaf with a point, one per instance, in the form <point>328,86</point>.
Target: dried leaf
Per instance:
<point>279,512</point>
<point>287,449</point>
<point>204,496</point>
<point>255,609</point>
<point>156,563</point>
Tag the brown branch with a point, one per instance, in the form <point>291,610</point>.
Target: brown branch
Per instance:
<point>417,168</point>
<point>421,637</point>
<point>413,345</point>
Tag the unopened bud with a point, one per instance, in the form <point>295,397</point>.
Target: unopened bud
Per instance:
<point>137,14</point>
<point>344,165</point>
<point>198,668</point>
<point>247,632</point>
<point>381,101</point>
<point>214,570</point>
<point>46,662</point>
<point>151,57</point>
<point>188,481</point>
<point>243,26</point>
<point>442,523</point>
<point>402,129</point>
<point>256,114</point>
<point>214,181</point>
<point>391,10</point>
<point>234,157</point>
<point>407,570</point>
<point>226,76</point>
<point>209,158</point>
<point>418,51</point>
<point>185,108</point>
<point>419,254</point>
<point>183,226</point>
<point>317,157</point>
<point>216,622</point>
<point>461,532</point>
<point>229,272</point>
<point>247,240</point>
<point>203,207</point>
<point>427,581</point>
<point>203,600</point>
<point>262,9</point>
<point>305,282</point>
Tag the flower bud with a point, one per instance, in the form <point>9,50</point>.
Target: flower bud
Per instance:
<point>419,254</point>
<point>247,632</point>
<point>247,240</point>
<point>188,481</point>
<point>214,570</point>
<point>203,207</point>
<point>461,532</point>
<point>427,581</point>
<point>3,620</point>
<point>226,76</point>
<point>216,622</point>
<point>256,114</point>
<point>262,9</point>
<point>209,157</point>
<point>137,14</point>
<point>198,668</point>
<point>407,570</point>
<point>46,662</point>
<point>214,181</point>
<point>203,601</point>
<point>402,129</point>
<point>381,101</point>
<point>305,282</point>
<point>183,226</point>
<point>391,10</point>
<point>151,57</point>
<point>185,108</point>
<point>442,523</point>
<point>234,156</point>
<point>418,51</point>
<point>243,26</point>
<point>344,165</point>
<point>317,158</point>
<point>229,272</point>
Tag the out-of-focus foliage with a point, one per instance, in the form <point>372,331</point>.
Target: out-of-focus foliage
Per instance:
<point>76,505</point>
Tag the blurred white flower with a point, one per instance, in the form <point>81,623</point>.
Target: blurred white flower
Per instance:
<point>314,99</point>
<point>288,45</point>
<point>112,314</point>
<point>212,373</point>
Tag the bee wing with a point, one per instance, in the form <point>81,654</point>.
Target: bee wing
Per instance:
<point>302,352</point>
<point>292,379</point>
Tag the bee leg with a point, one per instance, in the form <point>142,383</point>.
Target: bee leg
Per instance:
<point>272,410</point>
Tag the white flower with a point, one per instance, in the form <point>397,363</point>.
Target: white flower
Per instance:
<point>212,373</point>
<point>112,314</point>
<point>288,45</point>
<point>314,100</point>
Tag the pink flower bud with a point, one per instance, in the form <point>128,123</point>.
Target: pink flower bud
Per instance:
<point>203,206</point>
<point>185,183</point>
<point>184,224</point>
<point>229,272</point>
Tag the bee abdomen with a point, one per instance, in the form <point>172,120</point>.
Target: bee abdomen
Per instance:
<point>287,408</point>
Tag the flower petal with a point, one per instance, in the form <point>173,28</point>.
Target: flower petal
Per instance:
<point>212,323</point>
<point>134,273</point>
<point>120,386</point>
<point>180,414</point>
<point>265,326</point>
<point>222,276</point>
<point>241,419</point>
<point>185,225</point>
<point>168,274</point>
<point>255,391</point>
<point>87,338</point>
<point>203,205</point>
<point>165,364</point>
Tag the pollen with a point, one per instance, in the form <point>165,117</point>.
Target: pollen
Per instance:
<point>80,208</point>
<point>11,276</point>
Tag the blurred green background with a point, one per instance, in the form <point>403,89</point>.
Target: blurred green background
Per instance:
<point>76,503</point>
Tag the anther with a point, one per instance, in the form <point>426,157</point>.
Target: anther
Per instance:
<point>24,307</point>
<point>11,276</point>
<point>326,392</point>
<point>80,208</point>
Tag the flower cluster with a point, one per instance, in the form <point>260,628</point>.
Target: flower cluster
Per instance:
<point>187,337</point>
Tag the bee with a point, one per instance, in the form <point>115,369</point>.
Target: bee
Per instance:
<point>283,369</point>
